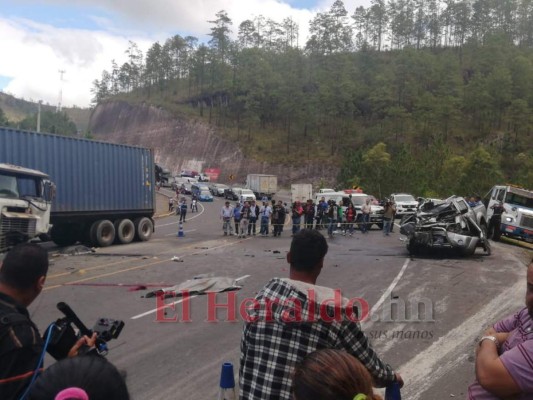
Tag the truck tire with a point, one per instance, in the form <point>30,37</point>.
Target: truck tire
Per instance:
<point>102,233</point>
<point>64,235</point>
<point>124,231</point>
<point>144,228</point>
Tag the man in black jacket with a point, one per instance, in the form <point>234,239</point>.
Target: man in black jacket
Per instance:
<point>22,276</point>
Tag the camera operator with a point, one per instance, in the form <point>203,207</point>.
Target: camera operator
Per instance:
<point>22,276</point>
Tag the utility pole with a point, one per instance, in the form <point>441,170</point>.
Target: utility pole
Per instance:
<point>61,73</point>
<point>39,115</point>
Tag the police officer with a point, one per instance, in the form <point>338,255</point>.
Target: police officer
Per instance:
<point>22,276</point>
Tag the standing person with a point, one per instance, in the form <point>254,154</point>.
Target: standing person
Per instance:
<point>254,214</point>
<point>278,218</point>
<point>504,369</point>
<point>245,219</point>
<point>237,217</point>
<point>265,212</point>
<point>393,215</point>
<point>350,215</point>
<point>297,212</point>
<point>183,209</point>
<point>319,215</point>
<point>388,217</point>
<point>22,276</point>
<point>331,216</point>
<point>273,342</point>
<point>171,204</point>
<point>194,204</point>
<point>365,216</point>
<point>226,214</point>
<point>309,211</point>
<point>340,216</point>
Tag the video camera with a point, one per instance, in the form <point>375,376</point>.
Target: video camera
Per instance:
<point>63,336</point>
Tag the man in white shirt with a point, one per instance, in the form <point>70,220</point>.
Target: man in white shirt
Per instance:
<point>265,212</point>
<point>226,213</point>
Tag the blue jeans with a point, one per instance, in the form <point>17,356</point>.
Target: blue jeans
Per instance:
<point>264,225</point>
<point>387,223</point>
<point>296,224</point>
<point>332,222</point>
<point>365,218</point>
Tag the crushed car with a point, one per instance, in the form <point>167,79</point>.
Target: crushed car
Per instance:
<point>450,224</point>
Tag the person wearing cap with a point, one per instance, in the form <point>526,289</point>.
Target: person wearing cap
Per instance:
<point>226,214</point>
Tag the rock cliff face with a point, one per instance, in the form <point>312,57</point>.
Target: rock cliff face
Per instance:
<point>189,144</point>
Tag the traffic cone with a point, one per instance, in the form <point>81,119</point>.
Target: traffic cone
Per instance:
<point>180,231</point>
<point>227,383</point>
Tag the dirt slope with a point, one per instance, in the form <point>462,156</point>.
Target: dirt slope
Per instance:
<point>189,144</point>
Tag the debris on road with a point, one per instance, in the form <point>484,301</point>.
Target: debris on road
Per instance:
<point>197,286</point>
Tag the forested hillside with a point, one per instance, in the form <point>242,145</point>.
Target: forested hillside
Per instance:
<point>431,97</point>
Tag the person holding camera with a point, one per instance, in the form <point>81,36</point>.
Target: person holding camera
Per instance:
<point>22,277</point>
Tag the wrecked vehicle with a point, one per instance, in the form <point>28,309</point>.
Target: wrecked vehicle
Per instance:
<point>449,224</point>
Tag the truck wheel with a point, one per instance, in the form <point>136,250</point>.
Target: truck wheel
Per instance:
<point>144,229</point>
<point>64,235</point>
<point>124,231</point>
<point>102,233</point>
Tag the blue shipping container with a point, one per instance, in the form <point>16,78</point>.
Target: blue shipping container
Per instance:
<point>92,177</point>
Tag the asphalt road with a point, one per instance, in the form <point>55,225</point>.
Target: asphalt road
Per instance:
<point>456,298</point>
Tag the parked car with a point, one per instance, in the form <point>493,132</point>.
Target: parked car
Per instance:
<point>244,194</point>
<point>405,203</point>
<point>204,195</point>
<point>217,189</point>
<point>230,194</point>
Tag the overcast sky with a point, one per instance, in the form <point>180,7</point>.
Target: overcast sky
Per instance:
<point>81,37</point>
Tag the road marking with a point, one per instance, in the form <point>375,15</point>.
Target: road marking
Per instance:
<point>242,277</point>
<point>443,355</point>
<point>167,305</point>
<point>386,294</point>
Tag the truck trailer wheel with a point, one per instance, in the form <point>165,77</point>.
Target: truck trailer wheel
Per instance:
<point>102,233</point>
<point>124,231</point>
<point>64,235</point>
<point>144,228</point>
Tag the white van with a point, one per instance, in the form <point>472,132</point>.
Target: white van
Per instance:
<point>244,195</point>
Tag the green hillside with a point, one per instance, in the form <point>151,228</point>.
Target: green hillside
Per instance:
<point>16,110</point>
<point>432,97</point>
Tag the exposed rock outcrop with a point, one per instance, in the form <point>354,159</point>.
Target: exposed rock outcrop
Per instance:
<point>181,143</point>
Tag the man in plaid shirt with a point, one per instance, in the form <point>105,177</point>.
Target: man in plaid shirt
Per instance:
<point>289,319</point>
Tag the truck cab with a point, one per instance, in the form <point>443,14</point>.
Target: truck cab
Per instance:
<point>510,212</point>
<point>25,204</point>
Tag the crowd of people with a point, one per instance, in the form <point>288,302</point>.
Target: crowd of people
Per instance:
<point>283,355</point>
<point>241,219</point>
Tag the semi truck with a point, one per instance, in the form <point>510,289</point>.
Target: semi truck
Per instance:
<point>263,186</point>
<point>510,212</point>
<point>25,204</point>
<point>104,192</point>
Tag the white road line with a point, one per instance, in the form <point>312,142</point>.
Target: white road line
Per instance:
<point>387,293</point>
<point>443,355</point>
<point>161,308</point>
<point>242,277</point>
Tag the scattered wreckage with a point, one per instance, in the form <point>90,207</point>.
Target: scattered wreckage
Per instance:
<point>450,224</point>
